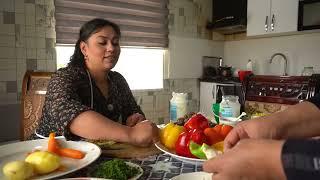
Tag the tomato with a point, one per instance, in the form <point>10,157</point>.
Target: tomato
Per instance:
<point>225,129</point>
<point>212,136</point>
<point>218,128</point>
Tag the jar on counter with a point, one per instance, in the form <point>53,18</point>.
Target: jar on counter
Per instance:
<point>230,106</point>
<point>307,71</point>
<point>178,106</point>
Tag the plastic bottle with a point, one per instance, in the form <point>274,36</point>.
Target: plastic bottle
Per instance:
<point>178,106</point>
<point>230,106</point>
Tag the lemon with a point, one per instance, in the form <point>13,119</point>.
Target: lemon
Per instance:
<point>44,162</point>
<point>18,170</point>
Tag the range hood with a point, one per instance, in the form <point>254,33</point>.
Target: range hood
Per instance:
<point>228,16</point>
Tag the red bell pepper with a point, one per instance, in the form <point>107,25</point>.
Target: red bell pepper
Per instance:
<point>197,121</point>
<point>182,145</point>
<point>198,136</point>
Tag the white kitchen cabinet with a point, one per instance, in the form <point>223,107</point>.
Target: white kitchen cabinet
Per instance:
<point>268,17</point>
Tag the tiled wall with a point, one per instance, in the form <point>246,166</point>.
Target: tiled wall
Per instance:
<point>187,18</point>
<point>27,41</point>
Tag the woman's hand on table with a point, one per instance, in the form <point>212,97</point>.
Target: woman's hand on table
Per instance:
<point>144,133</point>
<point>249,159</point>
<point>134,119</point>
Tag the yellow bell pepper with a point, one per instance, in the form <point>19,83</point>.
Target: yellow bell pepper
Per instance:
<point>169,135</point>
<point>218,146</point>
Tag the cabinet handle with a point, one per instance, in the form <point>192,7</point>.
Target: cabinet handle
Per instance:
<point>272,22</point>
<point>266,24</point>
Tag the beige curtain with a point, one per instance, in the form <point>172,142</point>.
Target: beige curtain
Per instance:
<point>142,22</point>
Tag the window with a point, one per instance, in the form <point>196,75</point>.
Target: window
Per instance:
<point>142,67</point>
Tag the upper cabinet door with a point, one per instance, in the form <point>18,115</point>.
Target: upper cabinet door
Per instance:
<point>284,16</point>
<point>258,17</point>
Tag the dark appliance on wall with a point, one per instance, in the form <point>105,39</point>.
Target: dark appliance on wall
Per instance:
<point>309,15</point>
<point>228,16</point>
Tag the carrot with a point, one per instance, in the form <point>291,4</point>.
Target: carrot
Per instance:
<point>53,145</point>
<point>71,153</point>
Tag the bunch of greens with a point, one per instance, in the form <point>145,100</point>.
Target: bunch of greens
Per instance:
<point>115,169</point>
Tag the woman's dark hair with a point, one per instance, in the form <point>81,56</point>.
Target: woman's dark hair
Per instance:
<point>88,29</point>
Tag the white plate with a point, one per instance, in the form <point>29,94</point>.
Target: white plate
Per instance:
<point>181,158</point>
<point>20,150</point>
<point>194,175</point>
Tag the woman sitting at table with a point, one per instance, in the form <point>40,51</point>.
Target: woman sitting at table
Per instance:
<point>88,100</point>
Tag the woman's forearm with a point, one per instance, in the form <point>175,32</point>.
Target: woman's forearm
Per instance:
<point>92,125</point>
<point>298,121</point>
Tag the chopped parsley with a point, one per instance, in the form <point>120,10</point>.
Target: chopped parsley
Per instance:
<point>115,169</point>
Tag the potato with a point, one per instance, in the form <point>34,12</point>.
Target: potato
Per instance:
<point>18,170</point>
<point>43,162</point>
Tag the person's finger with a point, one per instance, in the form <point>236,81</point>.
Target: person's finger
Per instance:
<point>213,165</point>
<point>234,137</point>
<point>231,140</point>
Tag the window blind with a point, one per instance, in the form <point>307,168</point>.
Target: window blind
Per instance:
<point>142,22</point>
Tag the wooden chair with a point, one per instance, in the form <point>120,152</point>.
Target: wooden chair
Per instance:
<point>34,88</point>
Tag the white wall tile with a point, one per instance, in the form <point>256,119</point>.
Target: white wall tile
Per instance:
<point>8,75</point>
<point>7,41</point>
<point>41,53</point>
<point>162,103</point>
<point>30,31</point>
<point>147,99</point>
<point>40,31</point>
<point>30,9</point>
<point>40,43</point>
<point>31,42</point>
<point>50,33</point>
<point>301,50</point>
<point>7,52</point>
<point>30,20</point>
<point>1,17</point>
<point>42,2</point>
<point>49,2</point>
<point>7,29</point>
<point>20,18</point>
<point>19,86</point>
<point>42,65</point>
<point>51,66</point>
<point>21,53</point>
<point>8,98</point>
<point>19,6</point>
<point>21,68</point>
<point>31,53</point>
<point>8,64</point>
<point>147,107</point>
<point>3,87</point>
<point>7,5</point>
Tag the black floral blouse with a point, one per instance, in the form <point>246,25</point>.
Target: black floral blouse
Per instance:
<point>69,94</point>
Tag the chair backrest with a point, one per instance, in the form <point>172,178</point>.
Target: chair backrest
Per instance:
<point>34,88</point>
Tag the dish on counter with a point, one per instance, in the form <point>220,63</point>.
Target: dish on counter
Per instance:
<point>20,150</point>
<point>162,148</point>
<point>194,175</point>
